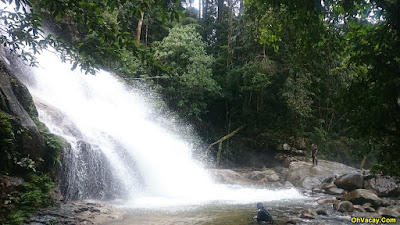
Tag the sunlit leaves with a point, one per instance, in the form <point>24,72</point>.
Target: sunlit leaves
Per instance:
<point>190,85</point>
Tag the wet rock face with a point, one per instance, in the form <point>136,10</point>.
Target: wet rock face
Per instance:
<point>350,181</point>
<point>86,174</point>
<point>16,102</point>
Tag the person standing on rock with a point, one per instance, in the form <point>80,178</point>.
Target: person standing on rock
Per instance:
<point>263,216</point>
<point>314,151</point>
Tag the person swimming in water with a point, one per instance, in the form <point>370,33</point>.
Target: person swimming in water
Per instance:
<point>263,215</point>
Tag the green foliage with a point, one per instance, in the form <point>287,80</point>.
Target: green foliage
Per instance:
<point>54,147</point>
<point>52,157</point>
<point>32,195</point>
<point>188,84</point>
<point>7,142</point>
<point>98,36</point>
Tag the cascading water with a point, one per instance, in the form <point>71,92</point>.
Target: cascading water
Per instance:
<point>117,150</point>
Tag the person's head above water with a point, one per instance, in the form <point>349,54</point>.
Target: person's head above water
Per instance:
<point>260,205</point>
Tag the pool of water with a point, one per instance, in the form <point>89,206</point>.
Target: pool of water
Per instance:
<point>223,213</point>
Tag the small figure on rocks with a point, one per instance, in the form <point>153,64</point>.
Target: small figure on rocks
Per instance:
<point>314,151</point>
<point>263,216</point>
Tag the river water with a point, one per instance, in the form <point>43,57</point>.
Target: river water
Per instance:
<point>220,213</point>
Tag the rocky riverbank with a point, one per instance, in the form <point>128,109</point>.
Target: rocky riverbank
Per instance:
<point>77,212</point>
<point>336,188</point>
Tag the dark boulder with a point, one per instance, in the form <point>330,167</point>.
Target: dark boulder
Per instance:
<point>350,181</point>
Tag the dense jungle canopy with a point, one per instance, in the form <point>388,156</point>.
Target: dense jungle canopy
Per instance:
<point>326,71</point>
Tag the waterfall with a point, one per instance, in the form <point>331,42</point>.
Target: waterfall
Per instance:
<point>118,148</point>
<point>110,124</point>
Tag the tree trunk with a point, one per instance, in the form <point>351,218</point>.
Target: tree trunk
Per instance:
<point>139,27</point>
<point>205,7</point>
<point>228,59</point>
<point>146,33</point>
<point>220,10</point>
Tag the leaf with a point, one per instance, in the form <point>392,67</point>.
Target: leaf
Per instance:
<point>74,66</point>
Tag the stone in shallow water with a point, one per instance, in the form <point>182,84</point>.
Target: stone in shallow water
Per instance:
<point>335,191</point>
<point>326,200</point>
<point>321,211</point>
<point>359,208</point>
<point>308,213</point>
<point>389,212</point>
<point>345,206</point>
<point>273,178</point>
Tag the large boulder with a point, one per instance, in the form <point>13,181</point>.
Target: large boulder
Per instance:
<point>361,196</point>
<point>384,186</point>
<point>305,175</point>
<point>350,181</point>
